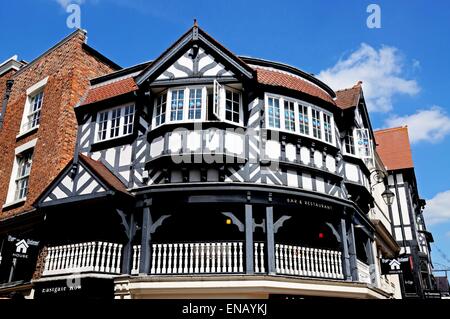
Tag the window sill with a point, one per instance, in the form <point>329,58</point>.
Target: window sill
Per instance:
<point>28,132</point>
<point>14,203</point>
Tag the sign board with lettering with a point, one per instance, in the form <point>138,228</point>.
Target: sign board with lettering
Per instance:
<point>75,287</point>
<point>21,248</point>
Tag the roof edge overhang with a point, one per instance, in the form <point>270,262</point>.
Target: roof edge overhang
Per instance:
<point>193,36</point>
<point>290,69</point>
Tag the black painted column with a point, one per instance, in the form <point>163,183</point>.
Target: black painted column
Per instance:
<point>371,257</point>
<point>249,246</point>
<point>344,249</point>
<point>144,263</point>
<point>352,252</point>
<point>270,241</point>
<point>128,247</point>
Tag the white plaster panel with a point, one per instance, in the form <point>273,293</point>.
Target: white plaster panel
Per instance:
<point>194,141</point>
<point>157,147</point>
<point>212,140</point>
<point>318,159</point>
<point>291,152</point>
<point>273,149</point>
<point>320,185</point>
<point>331,163</point>
<point>351,172</point>
<point>234,143</point>
<point>307,181</point>
<point>305,155</point>
<point>292,179</point>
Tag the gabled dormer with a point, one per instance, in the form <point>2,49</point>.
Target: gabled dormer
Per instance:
<point>357,133</point>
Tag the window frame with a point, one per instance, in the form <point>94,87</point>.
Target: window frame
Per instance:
<point>32,92</point>
<point>22,160</point>
<point>219,108</point>
<point>11,199</point>
<point>163,108</point>
<point>352,135</point>
<point>185,118</point>
<point>297,105</point>
<point>223,100</point>
<point>109,120</point>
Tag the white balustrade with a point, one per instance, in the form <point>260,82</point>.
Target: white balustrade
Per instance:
<point>305,261</point>
<point>85,257</point>
<point>228,257</point>
<point>194,258</point>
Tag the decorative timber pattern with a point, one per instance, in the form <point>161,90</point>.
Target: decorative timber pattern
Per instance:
<point>201,66</point>
<point>84,183</point>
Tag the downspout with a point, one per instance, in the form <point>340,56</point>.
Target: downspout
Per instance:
<point>9,84</point>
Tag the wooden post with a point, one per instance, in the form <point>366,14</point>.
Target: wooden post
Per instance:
<point>344,248</point>
<point>370,255</point>
<point>144,264</point>
<point>128,248</point>
<point>352,253</point>
<point>270,238</point>
<point>249,252</point>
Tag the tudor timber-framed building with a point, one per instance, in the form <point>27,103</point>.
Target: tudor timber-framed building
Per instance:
<point>203,174</point>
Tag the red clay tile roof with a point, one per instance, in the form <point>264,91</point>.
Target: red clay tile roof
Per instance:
<point>104,174</point>
<point>110,90</point>
<point>348,98</point>
<point>394,148</point>
<point>275,78</point>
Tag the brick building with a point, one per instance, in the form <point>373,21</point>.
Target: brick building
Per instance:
<point>38,131</point>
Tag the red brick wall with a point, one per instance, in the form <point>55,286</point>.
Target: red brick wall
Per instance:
<point>69,67</point>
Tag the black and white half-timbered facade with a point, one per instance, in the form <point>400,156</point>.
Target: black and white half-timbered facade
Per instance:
<point>206,174</point>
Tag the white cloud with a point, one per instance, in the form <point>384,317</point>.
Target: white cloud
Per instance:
<point>429,125</point>
<point>65,3</point>
<point>381,72</point>
<point>437,210</point>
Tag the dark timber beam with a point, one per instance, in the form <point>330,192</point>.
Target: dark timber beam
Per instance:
<point>370,255</point>
<point>352,252</point>
<point>130,231</point>
<point>144,263</point>
<point>270,241</point>
<point>344,248</point>
<point>249,247</point>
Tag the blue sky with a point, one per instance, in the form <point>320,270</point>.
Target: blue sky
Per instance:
<point>404,65</point>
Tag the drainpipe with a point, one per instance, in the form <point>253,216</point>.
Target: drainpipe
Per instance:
<point>9,84</point>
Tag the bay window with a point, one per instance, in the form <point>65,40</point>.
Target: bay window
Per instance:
<point>115,122</point>
<point>290,115</point>
<point>190,104</point>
